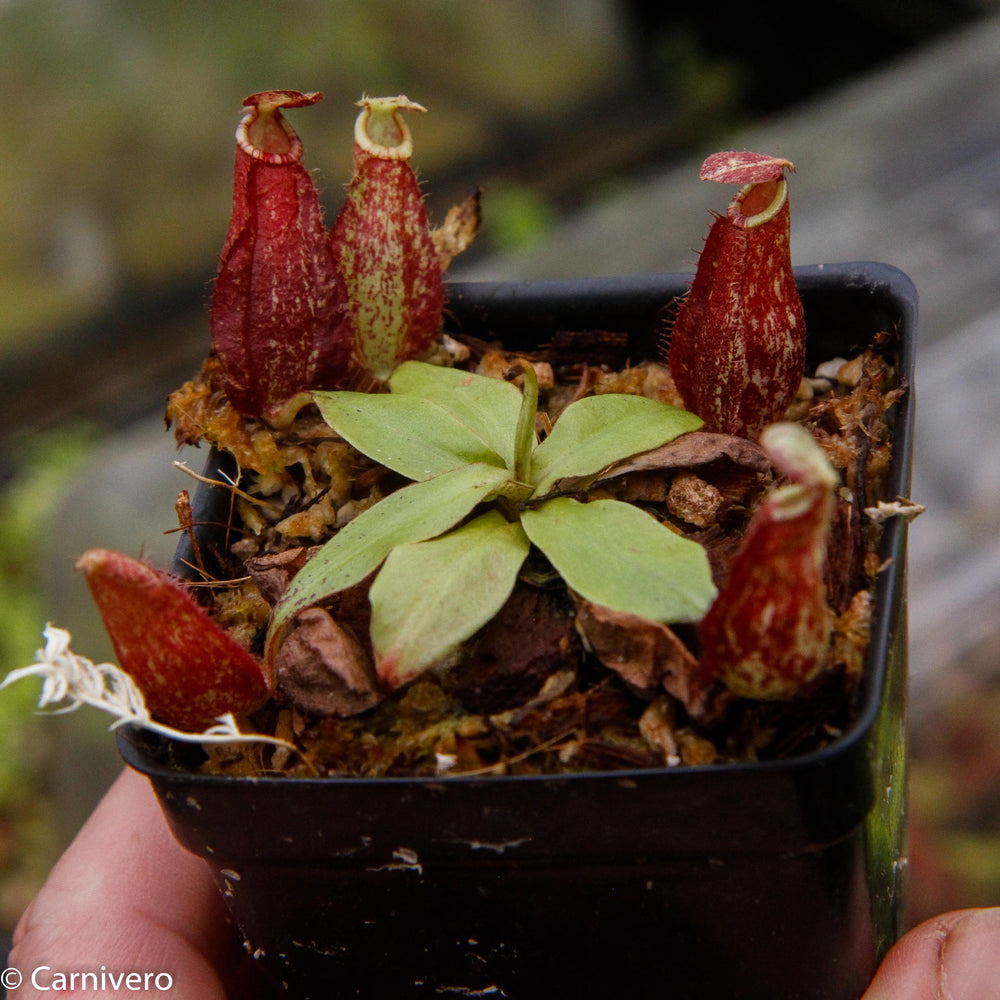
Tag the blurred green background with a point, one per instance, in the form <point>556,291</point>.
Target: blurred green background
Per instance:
<point>115,175</point>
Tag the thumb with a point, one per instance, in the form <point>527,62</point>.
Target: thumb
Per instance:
<point>125,897</point>
<point>955,957</point>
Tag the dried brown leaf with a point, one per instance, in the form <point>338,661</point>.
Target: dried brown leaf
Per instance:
<point>645,654</point>
<point>273,572</point>
<point>323,669</point>
<point>851,634</point>
<point>695,449</point>
<point>459,229</point>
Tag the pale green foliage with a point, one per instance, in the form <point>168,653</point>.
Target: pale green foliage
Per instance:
<point>423,510</point>
<point>469,440</point>
<point>652,572</point>
<point>598,430</point>
<point>420,579</point>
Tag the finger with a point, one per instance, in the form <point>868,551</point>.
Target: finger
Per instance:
<point>955,956</point>
<point>126,897</point>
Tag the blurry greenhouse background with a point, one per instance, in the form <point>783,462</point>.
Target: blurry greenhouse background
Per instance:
<point>115,173</point>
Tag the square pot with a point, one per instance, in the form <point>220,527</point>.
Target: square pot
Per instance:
<point>752,880</point>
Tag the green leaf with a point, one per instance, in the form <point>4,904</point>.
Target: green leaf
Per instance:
<point>416,437</point>
<point>488,407</point>
<point>431,596</point>
<point>597,431</point>
<point>618,556</point>
<point>525,439</point>
<point>411,514</point>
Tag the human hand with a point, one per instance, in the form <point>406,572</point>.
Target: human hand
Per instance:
<point>952,957</point>
<point>126,898</point>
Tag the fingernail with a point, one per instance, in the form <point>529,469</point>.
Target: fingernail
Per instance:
<point>970,958</point>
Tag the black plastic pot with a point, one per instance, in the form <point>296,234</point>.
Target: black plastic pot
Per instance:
<point>777,879</point>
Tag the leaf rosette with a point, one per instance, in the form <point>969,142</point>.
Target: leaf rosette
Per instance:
<point>448,548</point>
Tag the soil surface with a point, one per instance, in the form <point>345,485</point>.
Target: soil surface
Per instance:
<point>552,684</point>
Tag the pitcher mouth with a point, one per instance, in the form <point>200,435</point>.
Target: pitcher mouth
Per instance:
<point>757,203</point>
<point>380,129</point>
<point>265,134</point>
